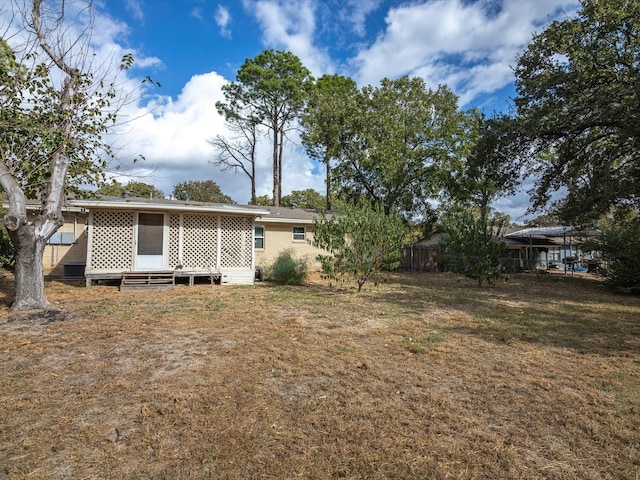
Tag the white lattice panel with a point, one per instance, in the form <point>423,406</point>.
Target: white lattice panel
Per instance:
<point>112,240</point>
<point>236,237</point>
<point>174,240</point>
<point>199,241</point>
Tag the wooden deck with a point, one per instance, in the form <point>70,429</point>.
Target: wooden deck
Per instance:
<point>145,279</point>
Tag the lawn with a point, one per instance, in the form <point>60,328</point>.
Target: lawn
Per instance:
<point>425,376</point>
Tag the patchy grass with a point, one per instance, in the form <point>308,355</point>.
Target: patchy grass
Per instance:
<point>425,376</point>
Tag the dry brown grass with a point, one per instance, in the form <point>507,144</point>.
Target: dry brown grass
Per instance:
<point>426,376</point>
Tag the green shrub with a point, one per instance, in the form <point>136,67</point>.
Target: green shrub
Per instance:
<point>361,239</point>
<point>288,270</point>
<point>473,246</point>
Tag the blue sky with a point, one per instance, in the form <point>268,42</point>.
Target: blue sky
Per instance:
<point>194,47</point>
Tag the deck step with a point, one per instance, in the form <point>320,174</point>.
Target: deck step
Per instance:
<point>151,280</point>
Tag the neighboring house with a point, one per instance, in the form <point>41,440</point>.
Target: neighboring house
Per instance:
<point>285,229</point>
<point>423,255</point>
<point>527,249</point>
<point>551,247</point>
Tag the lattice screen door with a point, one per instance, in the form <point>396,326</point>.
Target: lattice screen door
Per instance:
<point>150,242</point>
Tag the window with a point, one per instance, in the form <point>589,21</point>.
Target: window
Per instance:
<point>61,238</point>
<point>258,235</point>
<point>299,234</point>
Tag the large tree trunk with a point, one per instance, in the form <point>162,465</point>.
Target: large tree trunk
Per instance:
<point>29,275</point>
<point>327,162</point>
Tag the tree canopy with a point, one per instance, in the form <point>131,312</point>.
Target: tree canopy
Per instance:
<point>200,191</point>
<point>308,198</point>
<point>132,189</point>
<point>400,138</point>
<point>332,103</point>
<point>491,168</point>
<point>578,86</point>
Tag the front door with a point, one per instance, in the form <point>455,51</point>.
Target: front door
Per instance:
<point>150,245</point>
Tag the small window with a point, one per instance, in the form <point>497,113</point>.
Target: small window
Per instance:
<point>299,234</point>
<point>61,238</point>
<point>258,235</point>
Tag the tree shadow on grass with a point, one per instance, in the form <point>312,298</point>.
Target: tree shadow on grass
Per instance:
<point>562,312</point>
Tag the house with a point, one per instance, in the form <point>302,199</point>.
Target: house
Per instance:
<point>103,238</point>
<point>66,251</point>
<point>188,239</point>
<point>423,255</point>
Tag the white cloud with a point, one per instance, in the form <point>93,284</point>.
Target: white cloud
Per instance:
<point>356,12</point>
<point>135,9</point>
<point>223,19</point>
<point>196,12</point>
<point>460,44</point>
<point>290,25</point>
<point>171,136</point>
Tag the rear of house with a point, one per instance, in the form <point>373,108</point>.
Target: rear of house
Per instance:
<point>189,239</point>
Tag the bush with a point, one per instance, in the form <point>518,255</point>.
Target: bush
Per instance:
<point>362,241</point>
<point>474,247</point>
<point>288,270</point>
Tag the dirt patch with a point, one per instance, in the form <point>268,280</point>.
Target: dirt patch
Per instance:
<point>426,376</point>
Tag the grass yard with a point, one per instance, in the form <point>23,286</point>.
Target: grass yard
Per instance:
<point>426,376</point>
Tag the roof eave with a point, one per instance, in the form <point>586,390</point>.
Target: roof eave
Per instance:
<point>159,206</point>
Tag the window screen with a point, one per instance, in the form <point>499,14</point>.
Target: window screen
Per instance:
<point>299,234</point>
<point>150,228</point>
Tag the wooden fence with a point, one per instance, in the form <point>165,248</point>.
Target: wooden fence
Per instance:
<point>420,258</point>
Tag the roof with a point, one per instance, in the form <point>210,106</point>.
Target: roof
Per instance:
<point>32,205</point>
<point>134,203</point>
<point>267,214</point>
<point>541,232</point>
<point>289,215</point>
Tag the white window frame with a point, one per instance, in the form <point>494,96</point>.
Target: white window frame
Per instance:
<point>301,236</point>
<point>256,237</point>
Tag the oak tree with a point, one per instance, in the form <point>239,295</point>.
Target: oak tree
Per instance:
<point>578,86</point>
<point>132,189</point>
<point>400,137</point>
<point>492,167</point>
<point>308,198</point>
